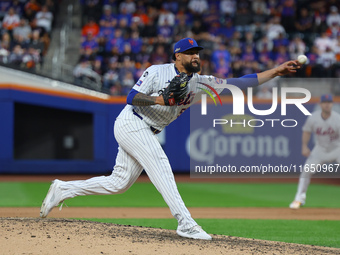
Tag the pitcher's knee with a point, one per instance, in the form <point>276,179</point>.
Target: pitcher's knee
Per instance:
<point>120,183</point>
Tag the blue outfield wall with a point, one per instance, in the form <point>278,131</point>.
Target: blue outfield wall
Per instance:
<point>105,147</point>
<point>175,142</point>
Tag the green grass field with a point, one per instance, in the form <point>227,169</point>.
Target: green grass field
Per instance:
<point>324,233</point>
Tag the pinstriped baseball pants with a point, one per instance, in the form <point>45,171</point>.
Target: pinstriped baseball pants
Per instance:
<point>138,149</point>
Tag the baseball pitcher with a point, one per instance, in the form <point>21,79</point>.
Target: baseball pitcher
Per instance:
<point>161,95</point>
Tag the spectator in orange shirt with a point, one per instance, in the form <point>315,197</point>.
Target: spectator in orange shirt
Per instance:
<point>11,20</point>
<point>91,27</point>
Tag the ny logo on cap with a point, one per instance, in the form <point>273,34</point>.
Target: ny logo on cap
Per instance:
<point>191,41</point>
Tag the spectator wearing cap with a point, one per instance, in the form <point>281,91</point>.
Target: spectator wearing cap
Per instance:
<point>220,56</point>
<point>282,55</point>
<point>333,17</point>
<point>116,41</point>
<point>88,54</point>
<point>248,54</point>
<point>108,19</point>
<point>136,42</point>
<point>222,69</point>
<point>105,34</point>
<point>89,42</point>
<point>128,5</point>
<point>124,14</point>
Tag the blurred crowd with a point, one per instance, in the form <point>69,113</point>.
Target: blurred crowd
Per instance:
<point>120,39</point>
<point>25,32</point>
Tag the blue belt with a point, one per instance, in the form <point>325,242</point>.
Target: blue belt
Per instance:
<point>155,131</point>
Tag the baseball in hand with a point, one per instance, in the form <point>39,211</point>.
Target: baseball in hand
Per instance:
<point>302,59</point>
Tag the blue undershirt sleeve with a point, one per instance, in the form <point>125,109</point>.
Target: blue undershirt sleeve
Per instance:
<point>249,80</point>
<point>131,96</point>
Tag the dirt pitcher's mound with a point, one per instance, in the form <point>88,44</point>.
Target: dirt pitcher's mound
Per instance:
<point>62,236</point>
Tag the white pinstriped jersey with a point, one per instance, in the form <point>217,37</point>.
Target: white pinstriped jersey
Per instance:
<point>158,77</point>
<point>327,131</point>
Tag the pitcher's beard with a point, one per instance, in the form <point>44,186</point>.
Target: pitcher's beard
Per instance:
<point>192,69</point>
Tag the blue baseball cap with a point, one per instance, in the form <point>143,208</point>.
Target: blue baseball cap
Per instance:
<point>326,98</point>
<point>185,44</point>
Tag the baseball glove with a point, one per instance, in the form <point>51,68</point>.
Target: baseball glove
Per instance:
<point>176,90</point>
